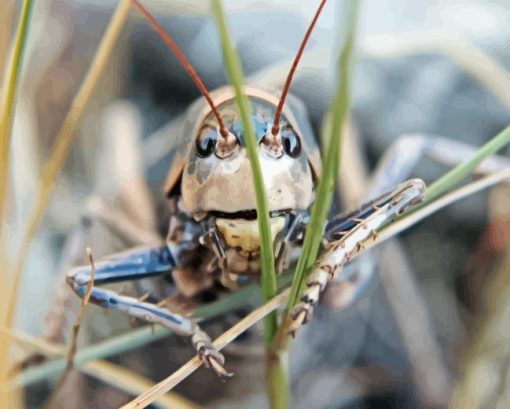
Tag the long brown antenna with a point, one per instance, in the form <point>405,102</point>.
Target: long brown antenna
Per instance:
<point>182,59</point>
<point>276,123</point>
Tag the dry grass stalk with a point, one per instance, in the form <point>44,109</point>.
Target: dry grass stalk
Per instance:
<point>57,158</point>
<point>84,302</point>
<point>193,364</point>
<point>11,399</point>
<point>42,346</point>
<point>74,333</point>
<point>6,14</point>
<point>133,384</point>
<point>8,103</point>
<point>111,374</point>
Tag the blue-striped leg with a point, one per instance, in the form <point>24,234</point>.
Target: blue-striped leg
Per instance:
<point>144,262</point>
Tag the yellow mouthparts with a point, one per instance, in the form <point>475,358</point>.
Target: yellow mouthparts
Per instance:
<point>245,233</point>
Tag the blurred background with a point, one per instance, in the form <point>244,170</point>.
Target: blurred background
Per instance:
<point>433,328</point>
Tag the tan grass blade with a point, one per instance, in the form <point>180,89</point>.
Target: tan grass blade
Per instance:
<point>9,90</point>
<point>6,14</point>
<point>73,346</point>
<point>133,383</point>
<point>193,364</point>
<point>57,158</point>
<point>8,94</point>
<point>85,301</point>
<point>111,374</point>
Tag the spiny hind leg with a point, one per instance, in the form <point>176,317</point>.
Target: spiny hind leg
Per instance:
<point>395,166</point>
<point>346,238</point>
<point>135,264</point>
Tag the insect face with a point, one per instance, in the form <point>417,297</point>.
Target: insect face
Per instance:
<point>217,174</point>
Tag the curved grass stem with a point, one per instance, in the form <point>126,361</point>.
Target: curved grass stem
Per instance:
<point>234,73</point>
<point>58,156</point>
<point>268,272</point>
<point>332,135</point>
<point>7,110</point>
<point>119,377</point>
<point>73,346</point>
<point>9,95</point>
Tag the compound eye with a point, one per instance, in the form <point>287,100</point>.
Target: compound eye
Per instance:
<point>206,142</point>
<point>291,143</point>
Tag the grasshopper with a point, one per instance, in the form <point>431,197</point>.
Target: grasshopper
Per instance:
<point>213,235</point>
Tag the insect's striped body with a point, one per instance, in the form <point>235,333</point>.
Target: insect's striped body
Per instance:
<point>213,234</point>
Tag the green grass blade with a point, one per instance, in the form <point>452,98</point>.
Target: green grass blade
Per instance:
<point>462,170</point>
<point>56,160</point>
<point>7,110</point>
<point>277,385</point>
<point>9,95</point>
<point>335,118</point>
<point>234,74</point>
<point>139,337</point>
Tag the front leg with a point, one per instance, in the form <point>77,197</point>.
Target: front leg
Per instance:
<point>139,263</point>
<point>347,239</point>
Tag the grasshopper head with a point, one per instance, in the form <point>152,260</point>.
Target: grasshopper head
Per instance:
<point>217,175</point>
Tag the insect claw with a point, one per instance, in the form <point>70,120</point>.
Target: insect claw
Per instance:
<point>209,355</point>
<point>219,369</point>
<point>214,360</point>
<point>300,315</point>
